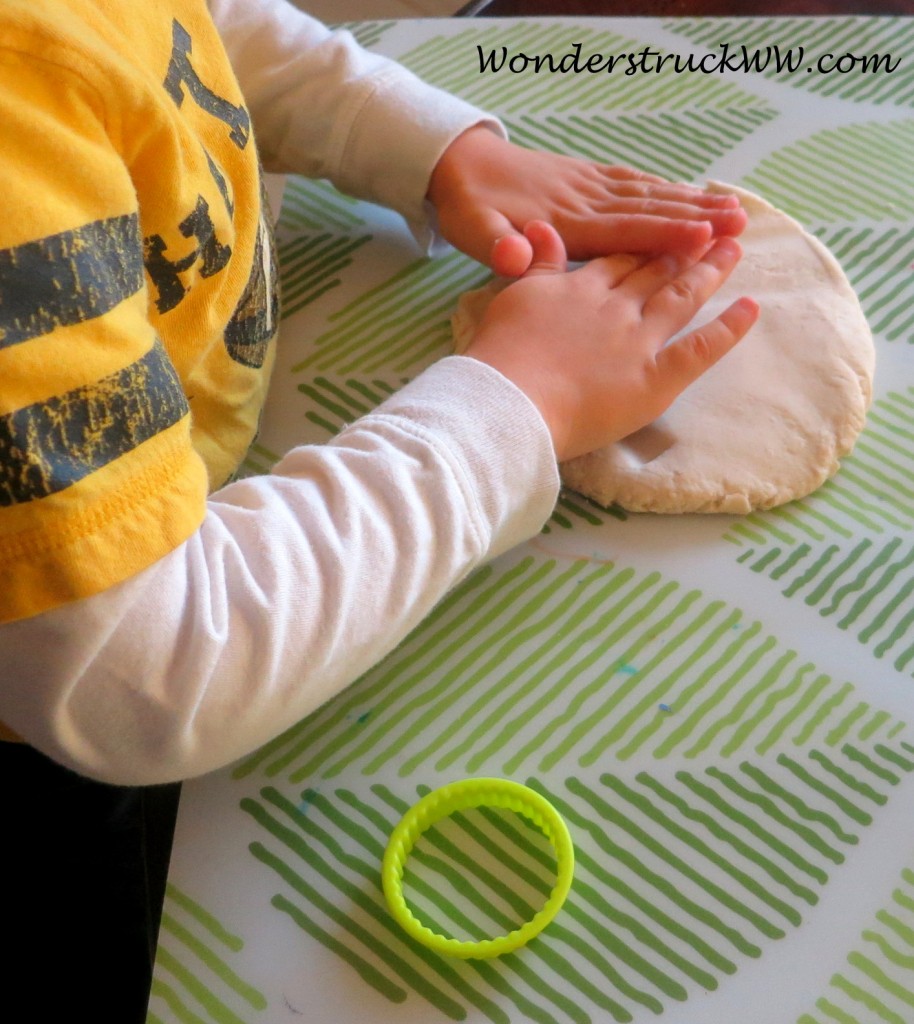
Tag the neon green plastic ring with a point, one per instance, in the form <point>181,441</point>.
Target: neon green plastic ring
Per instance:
<point>461,796</point>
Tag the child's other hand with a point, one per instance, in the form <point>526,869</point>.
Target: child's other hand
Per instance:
<point>486,189</point>
<point>589,347</point>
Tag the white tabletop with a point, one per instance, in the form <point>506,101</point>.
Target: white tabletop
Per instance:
<point>717,705</point>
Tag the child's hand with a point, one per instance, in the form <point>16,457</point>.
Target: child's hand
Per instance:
<point>486,189</point>
<point>589,347</point>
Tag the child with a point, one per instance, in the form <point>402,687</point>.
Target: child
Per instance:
<point>159,622</point>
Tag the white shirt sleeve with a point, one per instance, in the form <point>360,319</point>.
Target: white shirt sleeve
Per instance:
<point>324,107</point>
<point>295,585</point>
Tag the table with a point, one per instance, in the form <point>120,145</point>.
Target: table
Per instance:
<point>682,8</point>
<point>718,705</point>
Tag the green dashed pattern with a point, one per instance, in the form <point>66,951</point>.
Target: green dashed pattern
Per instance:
<point>631,666</point>
<point>874,37</point>
<point>867,588</point>
<point>847,550</point>
<point>195,981</point>
<point>879,264</point>
<point>401,325</point>
<point>842,174</point>
<point>316,206</point>
<point>681,878</point>
<point>679,145</point>
<point>877,980</point>
<point>318,232</point>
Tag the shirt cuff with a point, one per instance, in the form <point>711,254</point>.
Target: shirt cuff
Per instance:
<point>395,142</point>
<point>495,438</point>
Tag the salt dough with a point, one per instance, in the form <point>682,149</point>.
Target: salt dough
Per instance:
<point>769,422</point>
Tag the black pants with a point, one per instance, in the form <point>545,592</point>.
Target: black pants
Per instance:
<point>83,878</point>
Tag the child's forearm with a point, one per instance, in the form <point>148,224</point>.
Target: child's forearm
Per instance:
<point>296,584</point>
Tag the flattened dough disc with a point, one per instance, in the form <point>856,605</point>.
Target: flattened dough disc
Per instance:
<point>770,421</point>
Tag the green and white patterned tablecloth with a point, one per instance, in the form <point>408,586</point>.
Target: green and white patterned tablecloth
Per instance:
<point>719,706</point>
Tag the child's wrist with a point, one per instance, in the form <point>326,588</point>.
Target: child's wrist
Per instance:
<point>448,172</point>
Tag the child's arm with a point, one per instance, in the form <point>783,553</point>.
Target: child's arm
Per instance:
<point>324,107</point>
<point>295,584</point>
<point>299,581</point>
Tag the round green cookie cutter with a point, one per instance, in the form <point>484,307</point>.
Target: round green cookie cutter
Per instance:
<point>461,796</point>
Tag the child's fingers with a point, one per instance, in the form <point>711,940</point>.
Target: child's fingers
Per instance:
<point>682,362</point>
<point>486,234</point>
<point>620,173</point>
<point>653,202</point>
<point>548,249</point>
<point>655,273</point>
<point>645,186</point>
<point>673,295</point>
<point>608,272</point>
<point>602,232</point>
<point>511,256</point>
